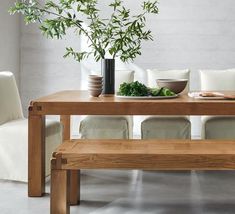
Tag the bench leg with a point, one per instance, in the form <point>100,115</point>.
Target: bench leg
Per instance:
<point>74,174</point>
<point>74,187</point>
<point>60,191</point>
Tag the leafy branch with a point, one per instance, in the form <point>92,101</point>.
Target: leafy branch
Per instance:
<point>119,35</point>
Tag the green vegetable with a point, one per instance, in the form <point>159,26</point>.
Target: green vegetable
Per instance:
<point>166,92</point>
<point>138,89</point>
<point>133,89</point>
<point>154,91</point>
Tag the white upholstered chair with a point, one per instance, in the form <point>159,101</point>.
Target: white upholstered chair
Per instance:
<point>219,127</point>
<point>14,133</point>
<point>109,127</point>
<point>166,127</point>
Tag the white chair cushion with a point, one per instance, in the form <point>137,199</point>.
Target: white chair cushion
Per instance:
<point>219,80</point>
<point>218,127</point>
<point>153,74</point>
<point>10,104</point>
<point>166,128</point>
<point>123,76</point>
<point>14,148</point>
<point>106,127</point>
<point>109,127</point>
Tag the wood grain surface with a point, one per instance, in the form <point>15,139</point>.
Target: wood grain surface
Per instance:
<point>80,103</point>
<point>59,203</point>
<point>36,155</point>
<point>73,102</point>
<point>148,154</point>
<point>74,174</point>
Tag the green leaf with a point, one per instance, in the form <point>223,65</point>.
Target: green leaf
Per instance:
<point>120,34</point>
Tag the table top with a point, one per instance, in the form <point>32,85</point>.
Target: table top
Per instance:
<point>75,102</point>
<point>137,146</point>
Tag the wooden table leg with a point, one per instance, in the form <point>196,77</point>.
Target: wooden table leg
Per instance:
<point>60,191</point>
<point>36,154</point>
<point>65,120</point>
<point>74,187</point>
<point>74,174</point>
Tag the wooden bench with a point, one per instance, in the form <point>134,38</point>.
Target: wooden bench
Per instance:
<point>133,154</point>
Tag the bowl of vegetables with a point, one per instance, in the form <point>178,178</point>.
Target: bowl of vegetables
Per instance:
<point>175,85</point>
<point>139,90</point>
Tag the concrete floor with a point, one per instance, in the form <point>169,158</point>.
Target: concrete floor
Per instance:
<point>135,192</point>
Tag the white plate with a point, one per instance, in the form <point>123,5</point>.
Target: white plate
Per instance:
<point>147,97</point>
<point>196,95</point>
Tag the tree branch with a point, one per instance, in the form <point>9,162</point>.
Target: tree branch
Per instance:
<point>74,22</point>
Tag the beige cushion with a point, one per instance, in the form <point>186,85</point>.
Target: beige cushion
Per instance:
<point>109,127</point>
<point>220,80</point>
<point>166,127</point>
<point>218,127</point>
<point>123,76</point>
<point>10,104</point>
<point>106,127</point>
<point>14,133</point>
<point>14,148</point>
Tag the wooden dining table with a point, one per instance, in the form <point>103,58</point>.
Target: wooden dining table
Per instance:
<point>77,102</point>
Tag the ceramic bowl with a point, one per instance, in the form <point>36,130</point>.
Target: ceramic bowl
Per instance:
<point>95,88</point>
<point>95,83</point>
<point>95,92</point>
<point>175,85</point>
<point>95,78</point>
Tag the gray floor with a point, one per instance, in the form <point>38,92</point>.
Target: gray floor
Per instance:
<point>135,192</point>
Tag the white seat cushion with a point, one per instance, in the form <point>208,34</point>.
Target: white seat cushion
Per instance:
<point>10,104</point>
<point>123,76</point>
<point>166,127</point>
<point>218,127</point>
<point>14,148</point>
<point>109,127</point>
<point>106,127</point>
<point>218,80</point>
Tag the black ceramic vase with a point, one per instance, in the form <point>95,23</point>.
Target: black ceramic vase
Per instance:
<point>108,73</point>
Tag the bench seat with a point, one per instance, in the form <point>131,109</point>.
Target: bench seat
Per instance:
<point>134,154</point>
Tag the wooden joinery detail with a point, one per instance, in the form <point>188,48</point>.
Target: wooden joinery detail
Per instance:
<point>56,163</point>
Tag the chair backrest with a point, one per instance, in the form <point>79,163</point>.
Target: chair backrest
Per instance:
<point>153,74</point>
<point>10,104</point>
<point>223,80</point>
<point>123,76</point>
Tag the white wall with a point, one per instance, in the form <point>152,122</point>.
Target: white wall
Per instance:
<point>188,34</point>
<point>9,40</point>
